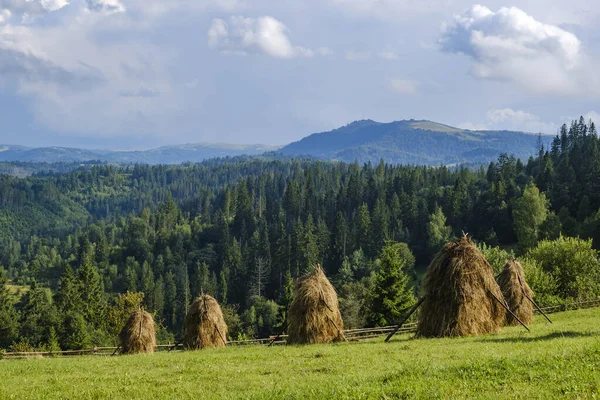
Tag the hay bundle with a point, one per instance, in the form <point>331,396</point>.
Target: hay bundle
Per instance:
<point>458,294</point>
<point>314,315</point>
<point>138,334</point>
<point>204,325</point>
<point>517,293</point>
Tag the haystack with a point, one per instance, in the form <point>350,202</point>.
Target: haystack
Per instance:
<point>138,334</point>
<point>459,294</point>
<point>204,325</point>
<point>517,293</point>
<point>314,315</point>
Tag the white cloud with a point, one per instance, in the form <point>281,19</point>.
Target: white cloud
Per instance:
<point>510,119</point>
<point>508,114</point>
<point>264,35</point>
<point>404,87</point>
<point>354,55</point>
<point>5,16</point>
<point>511,45</point>
<point>29,10</point>
<point>53,5</point>
<point>106,6</point>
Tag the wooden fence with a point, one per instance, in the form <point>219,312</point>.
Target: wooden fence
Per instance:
<point>352,335</point>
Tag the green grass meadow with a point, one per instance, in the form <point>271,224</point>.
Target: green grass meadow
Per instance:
<point>561,360</point>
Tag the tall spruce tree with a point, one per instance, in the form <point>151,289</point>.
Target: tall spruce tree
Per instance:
<point>391,295</point>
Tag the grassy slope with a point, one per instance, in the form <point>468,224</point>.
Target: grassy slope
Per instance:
<point>560,360</point>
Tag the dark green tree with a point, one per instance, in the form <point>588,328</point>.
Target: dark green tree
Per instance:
<point>391,295</point>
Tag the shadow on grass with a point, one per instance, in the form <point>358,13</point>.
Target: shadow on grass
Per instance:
<point>550,336</point>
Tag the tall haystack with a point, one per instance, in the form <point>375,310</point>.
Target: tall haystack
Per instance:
<point>138,335</point>
<point>204,325</point>
<point>314,315</point>
<point>459,294</point>
<point>517,293</point>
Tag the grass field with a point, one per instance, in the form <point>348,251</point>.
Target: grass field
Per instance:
<point>559,360</point>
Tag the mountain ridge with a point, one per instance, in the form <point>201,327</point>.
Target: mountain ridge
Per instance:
<point>398,142</point>
<point>414,142</point>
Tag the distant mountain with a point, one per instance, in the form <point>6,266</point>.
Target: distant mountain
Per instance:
<point>401,142</point>
<point>414,142</point>
<point>161,155</point>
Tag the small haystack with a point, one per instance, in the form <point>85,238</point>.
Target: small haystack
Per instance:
<point>517,293</point>
<point>204,325</point>
<point>314,315</point>
<point>459,294</point>
<point>138,334</point>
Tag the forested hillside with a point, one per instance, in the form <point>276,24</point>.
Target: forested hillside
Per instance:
<point>414,142</point>
<point>162,155</point>
<point>72,244</point>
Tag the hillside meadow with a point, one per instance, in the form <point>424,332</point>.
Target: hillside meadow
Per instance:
<point>558,360</point>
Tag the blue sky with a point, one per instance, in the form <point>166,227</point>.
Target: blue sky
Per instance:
<point>144,73</point>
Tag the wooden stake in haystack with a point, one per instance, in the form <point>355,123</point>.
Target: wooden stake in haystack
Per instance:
<point>138,335</point>
<point>462,297</point>
<point>314,315</point>
<point>204,325</point>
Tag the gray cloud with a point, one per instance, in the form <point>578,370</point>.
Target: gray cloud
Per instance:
<point>17,66</point>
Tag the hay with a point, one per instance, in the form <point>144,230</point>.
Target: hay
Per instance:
<point>204,325</point>
<point>138,334</point>
<point>516,292</point>
<point>457,298</point>
<point>314,315</point>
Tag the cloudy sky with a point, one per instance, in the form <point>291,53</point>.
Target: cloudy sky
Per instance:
<point>143,73</point>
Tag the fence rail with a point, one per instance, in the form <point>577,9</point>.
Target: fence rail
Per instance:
<point>350,334</point>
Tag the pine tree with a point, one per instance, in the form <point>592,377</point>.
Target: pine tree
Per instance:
<point>183,296</point>
<point>170,312</point>
<point>340,240</point>
<point>147,286</point>
<point>381,232</point>
<point>391,296</point>
<point>236,277</point>
<point>37,315</point>
<point>75,335</point>
<point>309,251</point>
<point>91,289</point>
<point>260,276</point>
<point>362,230</point>
<point>159,297</point>
<point>68,296</point>
<point>201,282</point>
